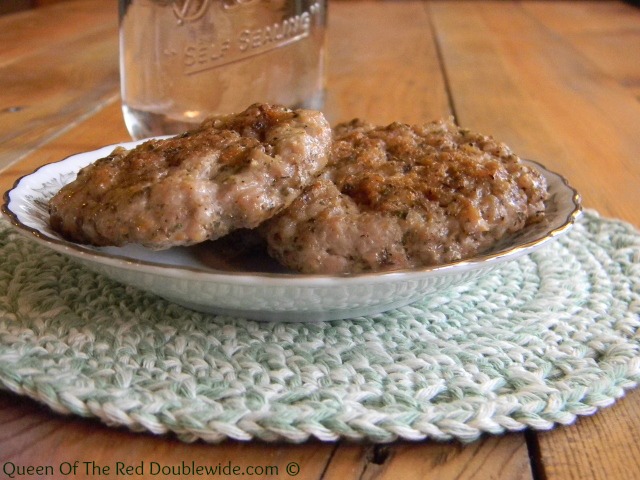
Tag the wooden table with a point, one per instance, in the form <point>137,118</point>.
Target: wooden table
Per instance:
<point>559,82</point>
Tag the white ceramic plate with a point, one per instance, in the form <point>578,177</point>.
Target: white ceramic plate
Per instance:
<point>255,287</point>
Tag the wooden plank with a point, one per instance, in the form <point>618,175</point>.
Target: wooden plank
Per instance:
<point>603,446</point>
<point>493,457</point>
<point>383,65</point>
<point>48,92</point>
<point>28,32</point>
<point>605,33</point>
<point>510,78</point>
<point>101,128</point>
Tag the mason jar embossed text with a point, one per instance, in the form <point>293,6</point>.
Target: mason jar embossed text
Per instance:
<point>182,60</point>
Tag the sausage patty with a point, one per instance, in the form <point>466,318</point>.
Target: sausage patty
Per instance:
<point>230,172</point>
<point>405,196</point>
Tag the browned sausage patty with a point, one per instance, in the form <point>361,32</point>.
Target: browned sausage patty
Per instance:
<point>405,196</point>
<point>230,172</point>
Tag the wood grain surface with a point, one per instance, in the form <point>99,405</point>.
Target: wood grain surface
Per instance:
<point>56,69</point>
<point>558,81</point>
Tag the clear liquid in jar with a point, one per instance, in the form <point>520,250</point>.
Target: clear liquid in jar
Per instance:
<point>184,60</point>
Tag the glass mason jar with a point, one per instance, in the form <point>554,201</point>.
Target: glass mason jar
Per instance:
<point>182,60</point>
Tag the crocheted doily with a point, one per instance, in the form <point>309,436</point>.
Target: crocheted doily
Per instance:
<point>533,344</point>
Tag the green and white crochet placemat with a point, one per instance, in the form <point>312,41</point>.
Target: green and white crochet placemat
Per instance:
<point>536,343</point>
